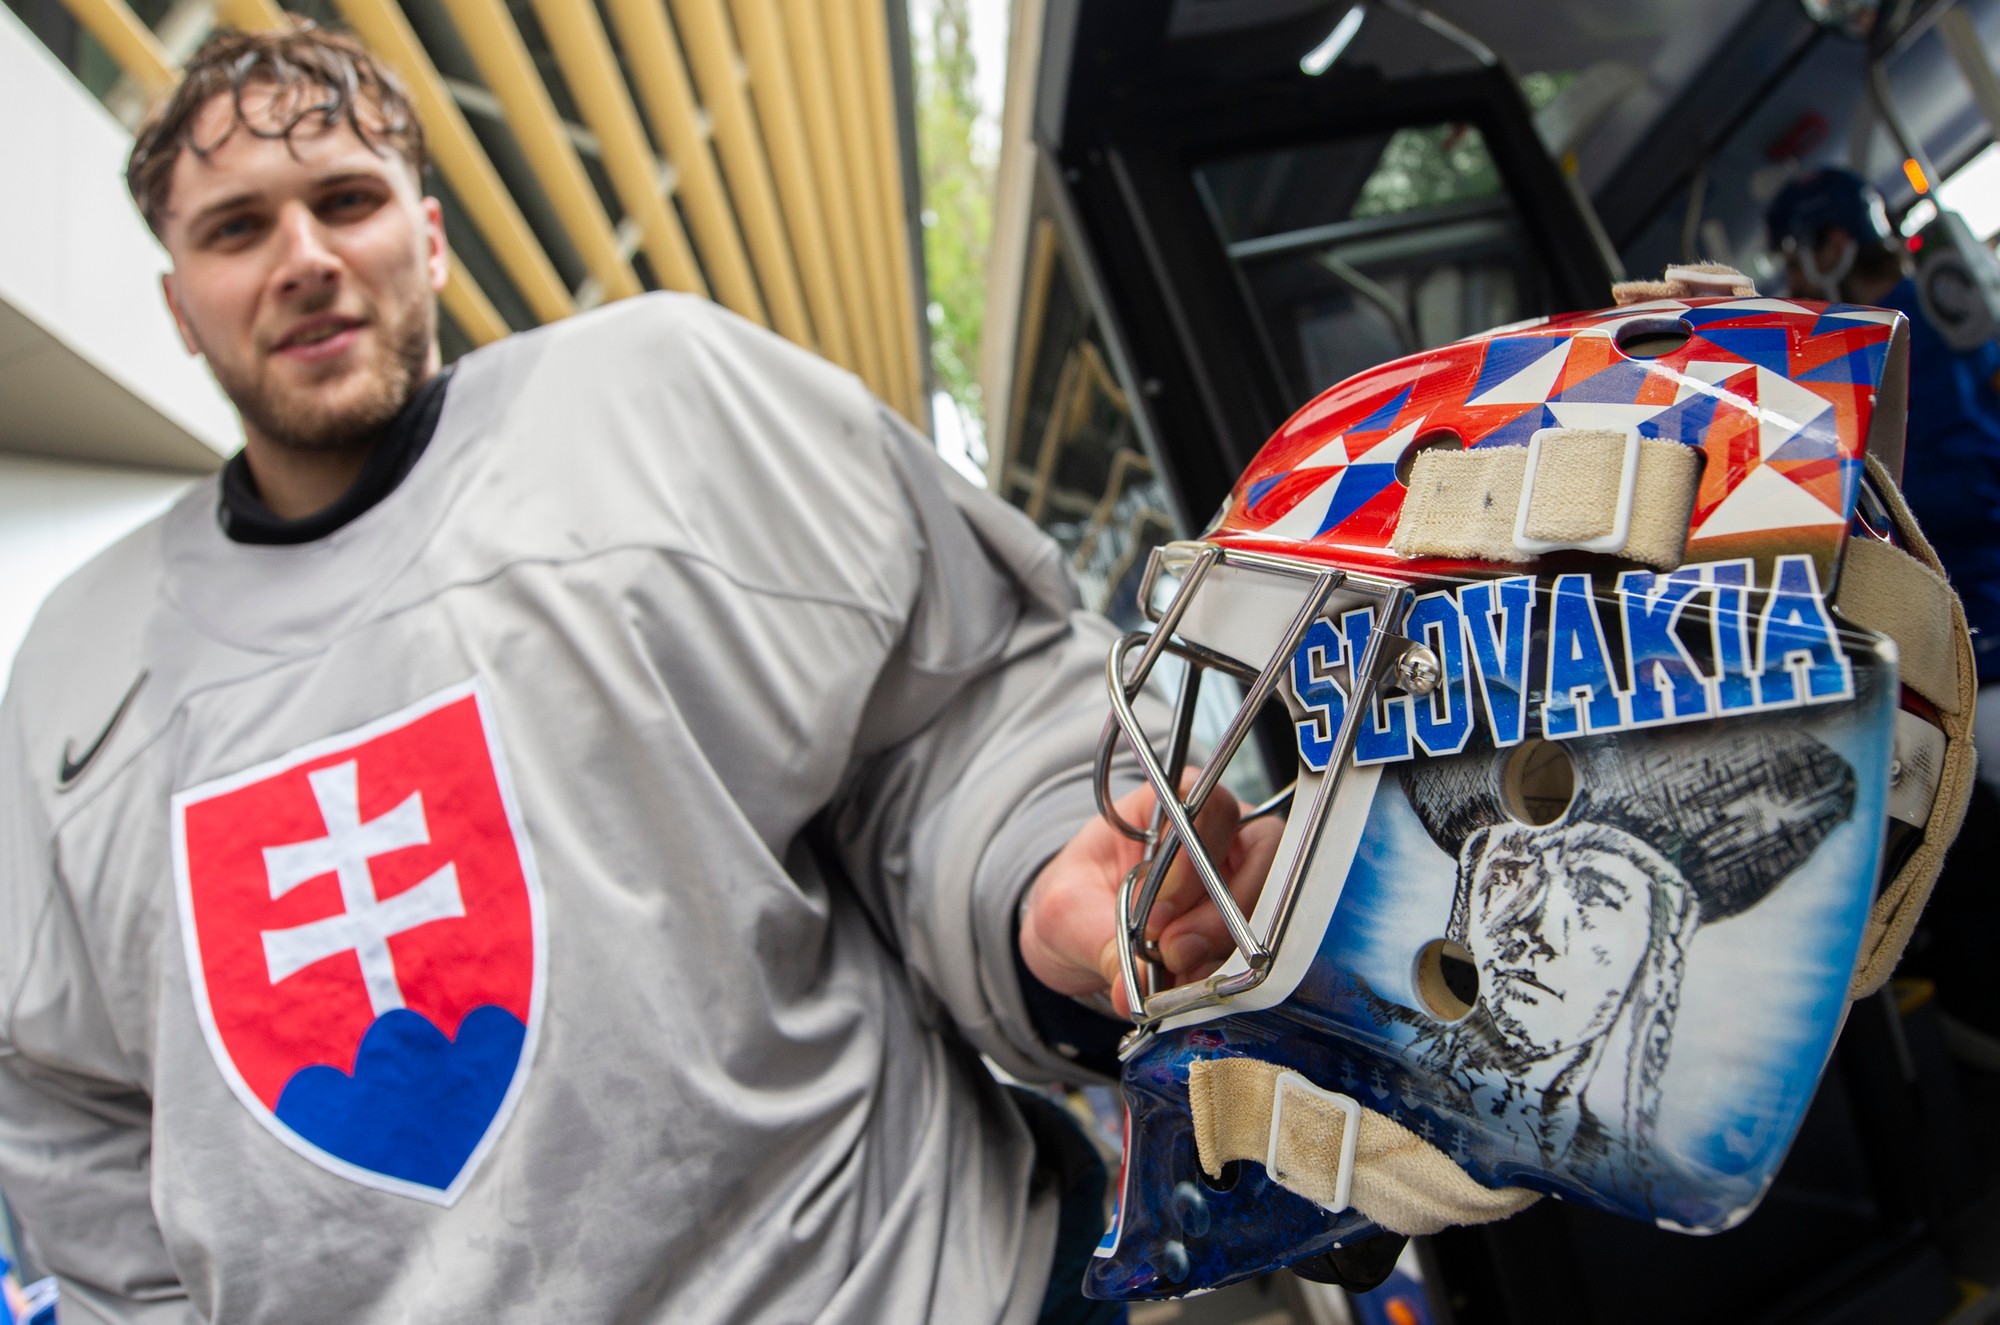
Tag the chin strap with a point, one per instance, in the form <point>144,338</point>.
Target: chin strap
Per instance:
<point>1334,1152</point>
<point>1904,595</point>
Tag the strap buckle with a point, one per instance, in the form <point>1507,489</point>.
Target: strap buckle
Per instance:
<point>1621,522</point>
<point>1350,1136</point>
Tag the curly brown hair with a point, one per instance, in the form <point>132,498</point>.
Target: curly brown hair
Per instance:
<point>312,73</point>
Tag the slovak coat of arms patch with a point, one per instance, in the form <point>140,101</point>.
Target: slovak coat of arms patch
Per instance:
<point>363,925</point>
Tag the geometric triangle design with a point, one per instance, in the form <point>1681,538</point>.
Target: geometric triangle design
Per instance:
<point>1784,409</point>
<point>1529,385</point>
<point>1331,456</point>
<point>1737,308</point>
<point>1821,478</point>
<point>1714,372</point>
<point>1594,414</point>
<point>1390,449</point>
<point>1764,346</point>
<point>1810,444</point>
<point>1862,367</point>
<point>1303,520</point>
<point>1375,521</point>
<point>1260,487</point>
<point>1280,494</point>
<point>1384,417</point>
<point>1687,421</point>
<point>1618,383</point>
<point>1698,318</point>
<point>1519,430</point>
<point>1765,499</point>
<point>1358,485</point>
<point>1850,484</point>
<point>1849,314</point>
<point>1507,356</point>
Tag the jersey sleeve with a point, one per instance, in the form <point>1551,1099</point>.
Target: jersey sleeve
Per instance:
<point>975,754</point>
<point>75,1128</point>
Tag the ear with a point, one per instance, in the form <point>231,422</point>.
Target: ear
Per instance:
<point>438,256</point>
<point>180,320</point>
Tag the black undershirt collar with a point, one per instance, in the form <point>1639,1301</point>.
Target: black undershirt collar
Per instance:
<point>246,519</point>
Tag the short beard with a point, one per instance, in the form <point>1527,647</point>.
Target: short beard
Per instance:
<point>295,422</point>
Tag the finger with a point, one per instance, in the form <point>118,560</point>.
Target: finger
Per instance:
<point>1182,889</point>
<point>1069,929</point>
<point>1196,943</point>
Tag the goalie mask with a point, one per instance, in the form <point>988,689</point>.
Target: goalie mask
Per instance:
<point>1631,716</point>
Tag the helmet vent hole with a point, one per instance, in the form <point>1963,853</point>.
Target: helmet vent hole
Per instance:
<point>1447,979</point>
<point>1651,338</point>
<point>1231,1173</point>
<point>1434,439</point>
<point>1537,782</point>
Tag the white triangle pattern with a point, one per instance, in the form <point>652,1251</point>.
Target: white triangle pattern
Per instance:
<point>1769,306</point>
<point>1530,385</point>
<point>1710,371</point>
<point>1331,456</point>
<point>1303,521</point>
<point>1783,409</point>
<point>1390,449</point>
<point>1765,499</point>
<point>1600,414</point>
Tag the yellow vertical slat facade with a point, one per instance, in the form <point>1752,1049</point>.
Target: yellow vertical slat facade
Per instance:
<point>771,123</point>
<point>591,70</point>
<point>845,60</point>
<point>775,92</point>
<point>496,47</point>
<point>806,36</point>
<point>131,43</point>
<point>470,308</point>
<point>879,90</point>
<point>717,67</point>
<point>647,37</point>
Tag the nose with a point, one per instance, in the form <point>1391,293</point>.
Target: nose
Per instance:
<point>307,265</point>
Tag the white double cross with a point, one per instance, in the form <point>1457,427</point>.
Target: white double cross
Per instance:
<point>366,922</point>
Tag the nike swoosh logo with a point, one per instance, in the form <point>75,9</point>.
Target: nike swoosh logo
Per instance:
<point>73,765</point>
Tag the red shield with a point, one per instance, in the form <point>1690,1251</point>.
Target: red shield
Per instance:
<point>362,920</point>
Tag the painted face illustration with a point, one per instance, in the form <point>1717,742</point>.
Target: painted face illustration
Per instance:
<point>1560,922</point>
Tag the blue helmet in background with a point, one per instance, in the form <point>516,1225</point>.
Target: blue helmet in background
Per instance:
<point>1821,199</point>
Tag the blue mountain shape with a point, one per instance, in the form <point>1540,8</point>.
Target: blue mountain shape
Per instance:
<point>418,1103</point>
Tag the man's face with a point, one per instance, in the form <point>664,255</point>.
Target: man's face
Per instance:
<point>1561,921</point>
<point>305,270</point>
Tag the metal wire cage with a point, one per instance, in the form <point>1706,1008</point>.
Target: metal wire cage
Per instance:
<point>1390,662</point>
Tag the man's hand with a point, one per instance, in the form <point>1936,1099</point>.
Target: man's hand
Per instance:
<point>1069,929</point>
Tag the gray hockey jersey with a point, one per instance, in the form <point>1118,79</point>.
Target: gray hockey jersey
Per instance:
<point>573,889</point>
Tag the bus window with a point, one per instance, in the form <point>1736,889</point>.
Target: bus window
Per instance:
<point>1369,247</point>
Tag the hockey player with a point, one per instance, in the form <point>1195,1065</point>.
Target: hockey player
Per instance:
<point>546,838</point>
<point>1834,232</point>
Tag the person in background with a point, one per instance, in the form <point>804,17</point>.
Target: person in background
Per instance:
<point>1833,230</point>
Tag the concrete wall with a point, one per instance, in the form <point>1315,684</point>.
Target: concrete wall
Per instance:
<point>54,516</point>
<point>90,365</point>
